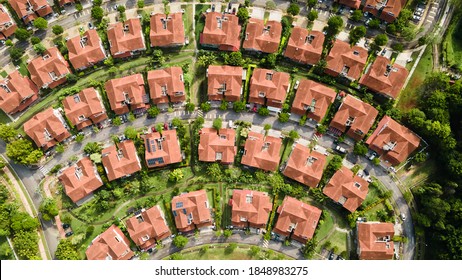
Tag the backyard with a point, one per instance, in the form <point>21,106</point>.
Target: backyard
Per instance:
<point>452,44</point>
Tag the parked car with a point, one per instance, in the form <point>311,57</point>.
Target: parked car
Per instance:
<point>403,216</point>
<point>368,20</point>
<point>372,156</point>
<point>384,51</point>
<point>66,226</point>
<point>340,150</point>
<point>91,26</point>
<point>297,83</point>
<point>69,233</point>
<point>331,256</point>
<point>213,7</point>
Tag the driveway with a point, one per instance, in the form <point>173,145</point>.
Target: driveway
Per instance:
<point>258,13</point>
<point>275,15</point>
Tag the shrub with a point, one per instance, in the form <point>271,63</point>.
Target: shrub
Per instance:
<point>262,111</point>
<point>284,117</point>
<point>35,40</point>
<point>205,107</point>
<point>153,112</point>
<point>180,241</point>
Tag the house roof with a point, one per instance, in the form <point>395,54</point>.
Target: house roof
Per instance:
<point>64,2</point>
<point>347,189</point>
<point>165,148</point>
<point>347,60</point>
<point>372,242</point>
<point>251,206</point>
<point>85,50</point>
<point>5,19</point>
<point>126,37</point>
<point>80,180</point>
<point>110,245</point>
<point>167,30</point>
<point>390,8</point>
<point>274,85</point>
<point>14,90</point>
<point>230,76</point>
<point>166,85</point>
<point>305,166</point>
<point>86,104</point>
<point>46,128</point>
<point>221,29</point>
<point>314,96</point>
<point>262,151</point>
<point>120,160</point>
<point>261,36</point>
<point>21,7</point>
<point>385,78</point>
<point>126,91</point>
<point>213,143</point>
<point>51,64</point>
<point>393,141</point>
<point>351,3</point>
<point>305,46</point>
<point>193,204</point>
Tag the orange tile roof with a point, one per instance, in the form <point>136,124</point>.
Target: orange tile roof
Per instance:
<point>314,97</point>
<point>7,24</point>
<point>224,81</point>
<point>268,87</point>
<point>297,219</point>
<point>148,227</point>
<point>160,151</point>
<point>354,115</point>
<point>46,128</point>
<point>262,151</point>
<point>110,245</point>
<point>25,9</point>
<point>17,93</point>
<point>387,10</point>
<point>384,78</point>
<point>84,108</point>
<point>250,208</point>
<point>374,241</point>
<point>121,160</point>
<point>167,85</point>
<point>351,3</point>
<point>191,210</point>
<point>167,30</point>
<point>126,38</point>
<point>81,180</point>
<point>49,70</point>
<point>86,50</point>
<point>393,141</point>
<point>44,11</point>
<point>215,146</point>
<point>305,166</point>
<point>64,2</point>
<point>346,60</point>
<point>261,36</point>
<point>126,94</point>
<point>347,189</point>
<point>221,31</point>
<point>305,46</point>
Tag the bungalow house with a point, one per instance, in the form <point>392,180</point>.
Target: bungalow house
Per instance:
<point>49,70</point>
<point>110,245</point>
<point>127,94</point>
<point>126,38</point>
<point>346,61</point>
<point>86,50</point>
<point>217,146</point>
<point>262,151</point>
<point>269,88</point>
<point>262,37</point>
<point>167,30</point>
<point>28,10</point>
<point>375,241</point>
<point>17,93</point>
<point>120,160</point>
<point>161,150</point>
<point>387,10</point>
<point>224,83</point>
<point>167,85</point>
<point>191,211</point>
<point>250,209</point>
<point>305,166</point>
<point>63,3</point>
<point>221,31</point>
<point>305,46</point>
<point>7,24</point>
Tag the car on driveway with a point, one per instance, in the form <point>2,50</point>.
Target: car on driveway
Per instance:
<point>372,156</point>
<point>403,216</point>
<point>66,226</point>
<point>69,233</point>
<point>341,150</point>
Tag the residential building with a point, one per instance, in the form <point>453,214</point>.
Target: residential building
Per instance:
<point>262,37</point>
<point>167,30</point>
<point>305,46</point>
<point>28,10</point>
<point>162,149</point>
<point>120,160</point>
<point>126,38</point>
<point>270,88</point>
<point>17,93</point>
<point>224,83</point>
<point>250,209</point>
<point>221,31</point>
<point>110,245</point>
<point>167,85</point>
<point>262,151</point>
<point>351,3</point>
<point>217,146</point>
<point>63,3</point>
<point>297,220</point>
<point>191,211</point>
<point>387,10</point>
<point>375,241</point>
<point>392,141</point>
<point>305,166</point>
<point>346,61</point>
<point>7,24</point>
<point>86,50</point>
<point>127,94</point>
<point>49,70</point>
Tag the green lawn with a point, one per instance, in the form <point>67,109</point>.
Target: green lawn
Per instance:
<point>372,195</point>
<point>286,149</point>
<point>3,74</point>
<point>188,18</point>
<point>217,252</point>
<point>339,239</point>
<point>324,228</point>
<point>200,22</point>
<point>4,243</point>
<point>4,118</point>
<point>452,44</point>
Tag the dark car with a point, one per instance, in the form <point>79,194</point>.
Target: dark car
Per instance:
<point>384,51</point>
<point>213,7</point>
<point>66,226</point>
<point>366,172</point>
<point>165,125</point>
<point>340,258</point>
<point>69,233</point>
<point>331,256</point>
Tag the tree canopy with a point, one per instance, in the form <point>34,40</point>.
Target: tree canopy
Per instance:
<point>40,23</point>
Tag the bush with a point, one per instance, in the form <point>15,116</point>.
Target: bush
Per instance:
<point>153,112</point>
<point>205,107</point>
<point>190,107</point>
<point>360,149</point>
<point>22,34</point>
<point>293,9</point>
<point>262,111</point>
<point>35,40</point>
<point>270,5</point>
<point>230,248</point>
<point>140,4</point>
<point>175,175</point>
<point>57,29</point>
<point>217,124</point>
<point>239,106</point>
<point>284,117</point>
<point>180,241</point>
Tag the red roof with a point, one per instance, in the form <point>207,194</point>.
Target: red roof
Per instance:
<point>261,36</point>
<point>297,219</point>
<point>250,208</point>
<point>162,150</point>
<point>81,180</point>
<point>126,38</point>
<point>224,82</point>
<point>268,87</point>
<point>167,30</point>
<point>7,24</point>
<point>374,241</point>
<point>387,10</point>
<point>121,160</point>
<point>25,9</point>
<point>347,189</point>
<point>127,94</point>
<point>49,70</point>
<point>17,93</point>
<point>86,50</point>
<point>47,128</point>
<point>393,141</point>
<point>64,2</point>
<point>110,245</point>
<point>191,210</point>
<point>305,166</point>
<point>346,60</point>
<point>262,151</point>
<point>221,31</point>
<point>351,3</point>
<point>167,85</point>
<point>219,146</point>
<point>305,46</point>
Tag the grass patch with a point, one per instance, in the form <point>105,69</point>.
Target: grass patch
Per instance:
<point>326,226</point>
<point>416,175</point>
<point>452,44</point>
<point>188,18</point>
<point>23,66</point>
<point>339,239</point>
<point>3,74</point>
<point>217,252</point>
<point>4,117</point>
<point>200,21</point>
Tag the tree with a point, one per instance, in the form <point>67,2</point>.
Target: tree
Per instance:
<point>7,133</point>
<point>357,15</point>
<point>116,121</point>
<point>205,58</point>
<point>294,135</point>
<point>140,4</point>
<point>22,34</point>
<point>234,58</point>
<point>78,7</point>
<point>93,147</point>
<point>374,23</point>
<point>397,47</point>
<point>16,53</point>
<point>243,14</point>
<point>121,9</point>
<point>49,209</point>
<point>159,128</point>
<point>270,60</point>
<point>205,107</point>
<point>270,5</point>
<point>26,245</point>
<point>97,3</point>
<point>131,133</point>
<point>5,251</point>
<point>66,251</point>
<point>356,34</point>
<point>313,15</point>
<point>310,248</point>
<point>214,171</point>
<point>230,248</point>
<point>40,23</point>
<point>254,251</point>
<point>21,221</point>
<point>293,9</point>
<point>190,107</point>
<point>21,151</point>
<point>59,148</point>
<point>180,241</point>
<point>334,24</point>
<point>239,106</point>
<point>381,40</point>
<point>153,112</point>
<point>360,149</point>
<point>262,111</point>
<point>97,13</point>
<point>267,127</point>
<point>39,48</point>
<point>311,3</point>
<point>175,175</point>
<point>158,56</point>
<point>283,117</point>
<point>35,40</point>
<point>217,124</point>
<point>227,233</point>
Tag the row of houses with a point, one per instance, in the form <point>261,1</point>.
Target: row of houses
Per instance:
<point>387,10</point>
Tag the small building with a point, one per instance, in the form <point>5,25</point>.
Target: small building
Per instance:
<point>217,146</point>
<point>250,209</point>
<point>354,4</point>
<point>167,85</point>
<point>7,24</point>
<point>86,50</point>
<point>262,152</point>
<point>49,70</point>
<point>63,3</point>
<point>305,46</point>
<point>261,36</point>
<point>17,93</point>
<point>28,10</point>
<point>167,30</point>
<point>375,241</point>
<point>224,83</point>
<point>270,88</point>
<point>346,61</point>
<point>221,31</point>
<point>110,245</point>
<point>305,166</point>
<point>191,211</point>
<point>126,38</point>
<point>387,10</point>
<point>162,149</point>
<point>120,160</point>
<point>127,94</point>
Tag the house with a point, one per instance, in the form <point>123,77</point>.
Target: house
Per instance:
<point>127,94</point>
<point>305,46</point>
<point>250,209</point>
<point>347,189</point>
<point>297,220</point>
<point>167,85</point>
<point>86,50</point>
<point>167,31</point>
<point>354,117</point>
<point>7,24</point>
<point>126,38</point>
<point>221,31</point>
<point>63,3</point>
<point>351,3</point>
<point>305,166</point>
<point>80,180</point>
<point>385,78</point>
<point>120,160</point>
<point>17,93</point>
<point>161,150</point>
<point>375,241</point>
<point>224,83</point>
<point>387,10</point>
<point>28,10</point>
<point>217,146</point>
<point>262,151</point>
<point>84,108</point>
<point>47,128</point>
<point>346,61</point>
<point>312,99</point>
<point>49,70</point>
<point>191,211</point>
<point>392,141</point>
<point>270,88</point>
<point>110,245</point>
<point>262,37</point>
<point>148,227</point>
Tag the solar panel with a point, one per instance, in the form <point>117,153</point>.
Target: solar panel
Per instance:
<point>179,204</point>
<point>148,146</point>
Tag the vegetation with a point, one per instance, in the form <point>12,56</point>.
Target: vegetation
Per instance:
<point>180,241</point>
<point>40,23</point>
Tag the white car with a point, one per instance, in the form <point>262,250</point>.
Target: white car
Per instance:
<point>297,83</point>
<point>403,216</point>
